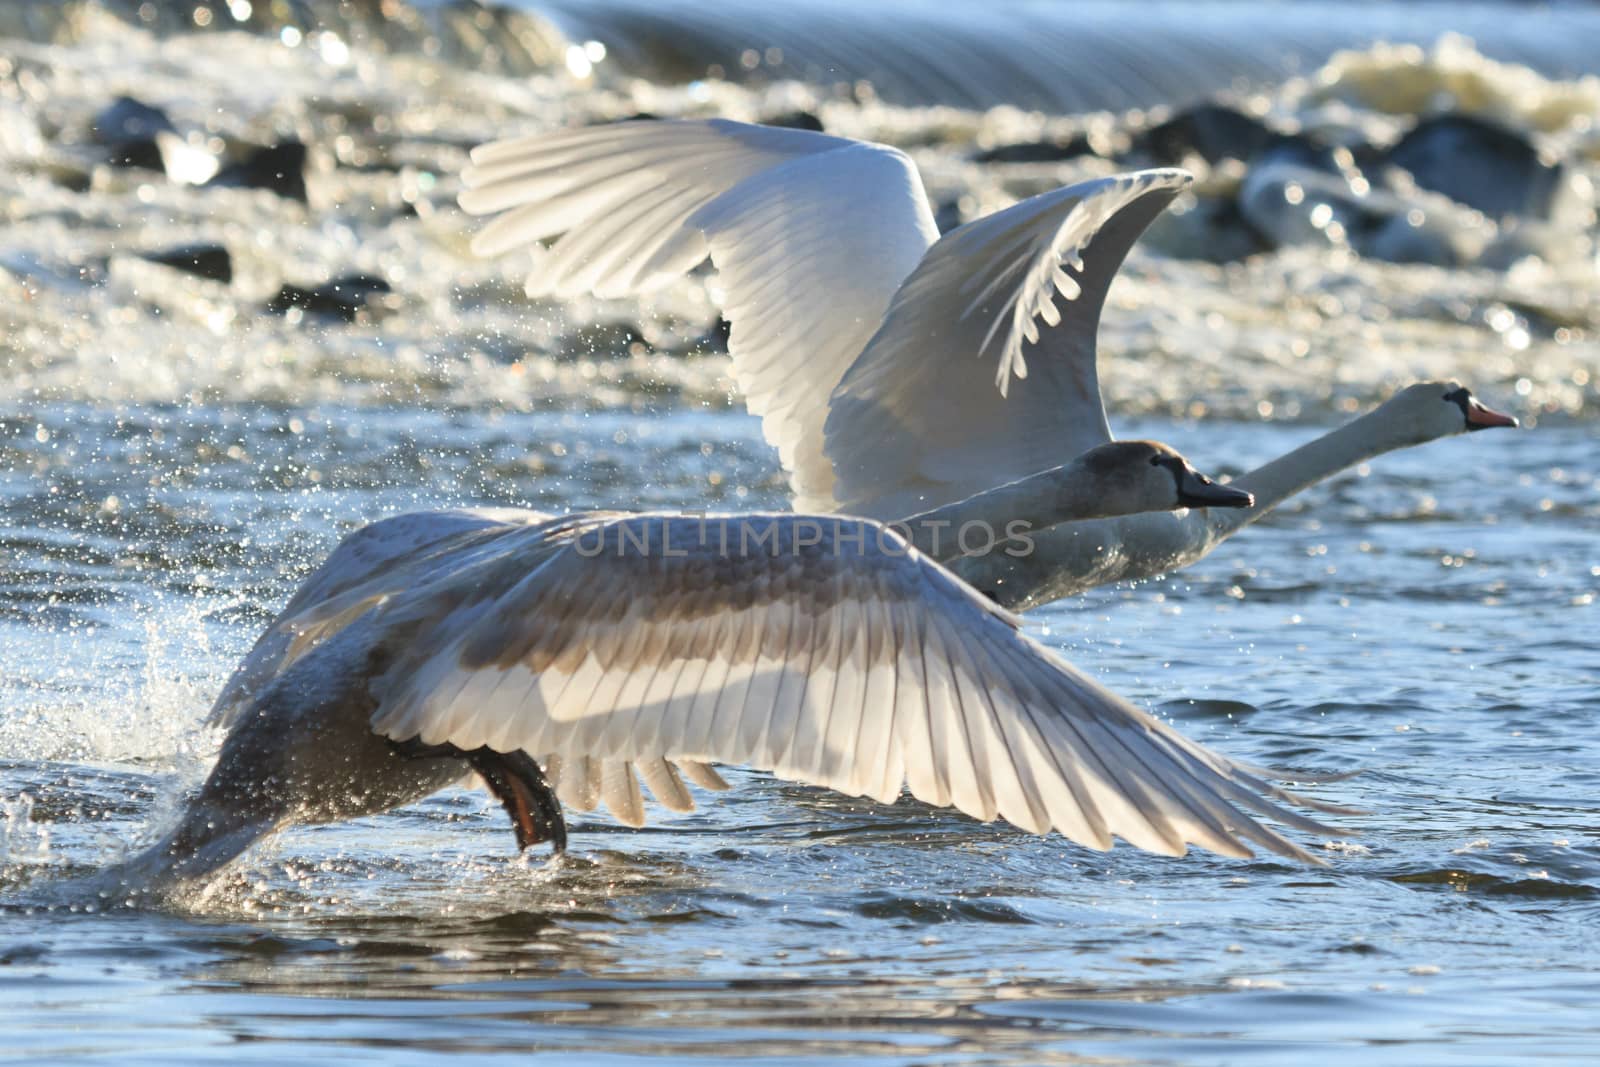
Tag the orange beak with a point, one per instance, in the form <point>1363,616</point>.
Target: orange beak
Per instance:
<point>1481,418</point>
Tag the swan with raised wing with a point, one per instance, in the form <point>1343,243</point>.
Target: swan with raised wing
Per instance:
<point>894,370</point>
<point>565,659</point>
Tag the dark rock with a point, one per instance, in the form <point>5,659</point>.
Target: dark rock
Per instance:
<point>716,338</point>
<point>144,155</point>
<point>127,120</point>
<point>280,168</point>
<point>1479,163</point>
<point>1038,151</point>
<point>949,214</point>
<point>349,297</point>
<point>796,120</point>
<point>128,127</point>
<point>606,340</point>
<point>1368,158</point>
<point>69,176</point>
<point>1302,150</point>
<point>205,260</point>
<point>138,135</point>
<point>1213,132</point>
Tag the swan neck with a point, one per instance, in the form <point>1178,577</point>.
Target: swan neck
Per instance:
<point>993,517</point>
<point>1371,435</point>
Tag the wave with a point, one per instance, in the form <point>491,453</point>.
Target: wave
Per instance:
<point>1057,57</point>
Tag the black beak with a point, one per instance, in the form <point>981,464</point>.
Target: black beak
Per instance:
<point>1195,490</point>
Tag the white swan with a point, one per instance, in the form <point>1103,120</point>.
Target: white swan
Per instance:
<point>618,647</point>
<point>886,362</point>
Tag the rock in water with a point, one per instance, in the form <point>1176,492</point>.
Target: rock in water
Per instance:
<point>1213,132</point>
<point>280,168</point>
<point>129,128</point>
<point>1479,163</point>
<point>142,136</point>
<point>205,260</point>
<point>126,119</point>
<point>349,297</point>
<point>1303,150</point>
<point>1037,151</point>
<point>796,120</point>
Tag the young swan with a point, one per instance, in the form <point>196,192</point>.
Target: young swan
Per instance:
<point>1120,478</point>
<point>617,647</point>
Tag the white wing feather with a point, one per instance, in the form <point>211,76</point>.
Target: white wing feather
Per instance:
<point>933,410</point>
<point>810,235</point>
<point>813,237</point>
<point>822,621</point>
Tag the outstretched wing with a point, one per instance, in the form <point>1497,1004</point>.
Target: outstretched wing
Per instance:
<point>810,234</point>
<point>381,550</point>
<point>821,648</point>
<point>984,370</point>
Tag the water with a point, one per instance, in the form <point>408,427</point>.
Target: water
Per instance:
<point>1425,622</point>
<point>1078,57</point>
<point>173,460</point>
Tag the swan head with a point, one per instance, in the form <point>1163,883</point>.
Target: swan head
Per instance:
<point>1135,476</point>
<point>1429,410</point>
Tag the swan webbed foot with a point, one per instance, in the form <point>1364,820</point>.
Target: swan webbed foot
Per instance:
<point>517,782</point>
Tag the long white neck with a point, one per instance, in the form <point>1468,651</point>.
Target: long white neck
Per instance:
<point>1071,557</point>
<point>1371,435</point>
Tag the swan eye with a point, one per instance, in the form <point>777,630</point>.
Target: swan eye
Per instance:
<point>1155,461</point>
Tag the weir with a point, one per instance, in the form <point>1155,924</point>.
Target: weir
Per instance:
<point>1058,57</point>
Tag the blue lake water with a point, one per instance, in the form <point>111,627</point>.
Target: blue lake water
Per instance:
<point>1427,623</point>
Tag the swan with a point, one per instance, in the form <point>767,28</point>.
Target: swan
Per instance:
<point>894,370</point>
<point>1076,555</point>
<point>566,658</point>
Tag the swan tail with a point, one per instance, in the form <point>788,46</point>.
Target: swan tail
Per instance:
<point>207,839</point>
